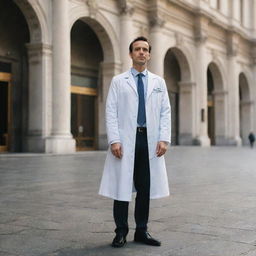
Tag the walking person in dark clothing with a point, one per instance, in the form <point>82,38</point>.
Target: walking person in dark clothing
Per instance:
<point>251,138</point>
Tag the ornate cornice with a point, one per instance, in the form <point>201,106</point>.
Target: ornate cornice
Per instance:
<point>126,7</point>
<point>156,21</point>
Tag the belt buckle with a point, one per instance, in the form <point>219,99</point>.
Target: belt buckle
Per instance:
<point>140,129</point>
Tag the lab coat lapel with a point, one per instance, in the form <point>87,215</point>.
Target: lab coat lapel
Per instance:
<point>130,80</point>
<point>150,84</point>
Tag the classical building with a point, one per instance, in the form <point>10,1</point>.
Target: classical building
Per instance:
<point>57,58</point>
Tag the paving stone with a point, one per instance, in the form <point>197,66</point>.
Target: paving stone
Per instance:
<point>49,205</point>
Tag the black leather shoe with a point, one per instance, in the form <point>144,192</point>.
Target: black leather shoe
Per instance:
<point>119,240</point>
<point>145,238</point>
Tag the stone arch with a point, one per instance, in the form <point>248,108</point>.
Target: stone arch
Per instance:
<point>35,19</point>
<point>37,110</point>
<point>110,66</point>
<point>217,105</point>
<point>218,75</point>
<point>183,62</point>
<point>103,29</point>
<point>245,108</point>
<point>181,93</point>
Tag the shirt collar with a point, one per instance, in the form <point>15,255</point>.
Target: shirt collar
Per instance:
<point>135,72</point>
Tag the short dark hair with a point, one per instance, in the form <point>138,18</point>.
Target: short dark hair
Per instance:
<point>140,38</point>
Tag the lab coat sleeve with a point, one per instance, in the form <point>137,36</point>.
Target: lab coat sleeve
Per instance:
<point>112,113</point>
<point>165,116</point>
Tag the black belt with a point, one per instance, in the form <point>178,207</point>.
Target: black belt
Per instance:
<point>142,129</point>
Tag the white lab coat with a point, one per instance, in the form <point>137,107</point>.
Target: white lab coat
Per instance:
<point>121,122</point>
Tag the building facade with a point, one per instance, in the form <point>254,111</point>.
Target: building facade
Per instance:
<point>57,59</point>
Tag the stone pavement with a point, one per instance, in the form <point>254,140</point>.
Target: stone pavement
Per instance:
<point>49,205</point>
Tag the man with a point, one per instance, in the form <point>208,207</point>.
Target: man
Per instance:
<point>138,129</point>
<point>251,138</point>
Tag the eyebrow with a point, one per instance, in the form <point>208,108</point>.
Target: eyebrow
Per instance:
<point>144,48</point>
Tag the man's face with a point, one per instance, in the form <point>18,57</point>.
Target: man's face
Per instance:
<point>140,53</point>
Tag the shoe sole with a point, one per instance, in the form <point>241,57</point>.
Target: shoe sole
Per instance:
<point>118,246</point>
<point>141,242</point>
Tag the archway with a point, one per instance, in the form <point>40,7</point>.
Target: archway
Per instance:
<point>13,77</point>
<point>88,72</point>
<point>216,106</point>
<point>178,79</point>
<point>245,113</point>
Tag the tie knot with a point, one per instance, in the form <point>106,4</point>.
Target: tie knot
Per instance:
<point>140,75</point>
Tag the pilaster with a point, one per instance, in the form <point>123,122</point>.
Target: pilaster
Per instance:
<point>39,121</point>
<point>201,35</point>
<point>233,89</point>
<point>156,22</point>
<point>126,31</point>
<point>220,110</point>
<point>186,113</point>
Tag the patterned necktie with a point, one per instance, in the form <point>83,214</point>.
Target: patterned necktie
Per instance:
<point>141,120</point>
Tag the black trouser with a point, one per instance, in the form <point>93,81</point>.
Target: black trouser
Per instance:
<point>141,180</point>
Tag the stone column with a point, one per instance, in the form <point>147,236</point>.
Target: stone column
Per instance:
<point>220,112</point>
<point>253,91</point>
<point>186,114</point>
<point>156,64</point>
<point>201,27</point>
<point>61,140</point>
<point>253,19</point>
<point>246,120</point>
<point>233,90</point>
<point>126,33</point>
<point>39,120</point>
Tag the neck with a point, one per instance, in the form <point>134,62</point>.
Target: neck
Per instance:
<point>139,68</point>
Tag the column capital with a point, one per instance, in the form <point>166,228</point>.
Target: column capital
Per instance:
<point>37,50</point>
<point>219,93</point>
<point>108,67</point>
<point>246,102</point>
<point>186,86</point>
<point>39,47</point>
<point>126,7</point>
<point>156,21</point>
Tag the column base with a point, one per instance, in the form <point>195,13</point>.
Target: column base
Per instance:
<point>203,141</point>
<point>235,141</point>
<point>60,145</point>
<point>102,142</point>
<point>186,139</point>
<point>35,144</point>
<point>221,140</point>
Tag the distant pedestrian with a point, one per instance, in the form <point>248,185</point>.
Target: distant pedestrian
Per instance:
<point>251,138</point>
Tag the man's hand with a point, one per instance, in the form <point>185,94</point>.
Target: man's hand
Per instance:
<point>116,150</point>
<point>161,148</point>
